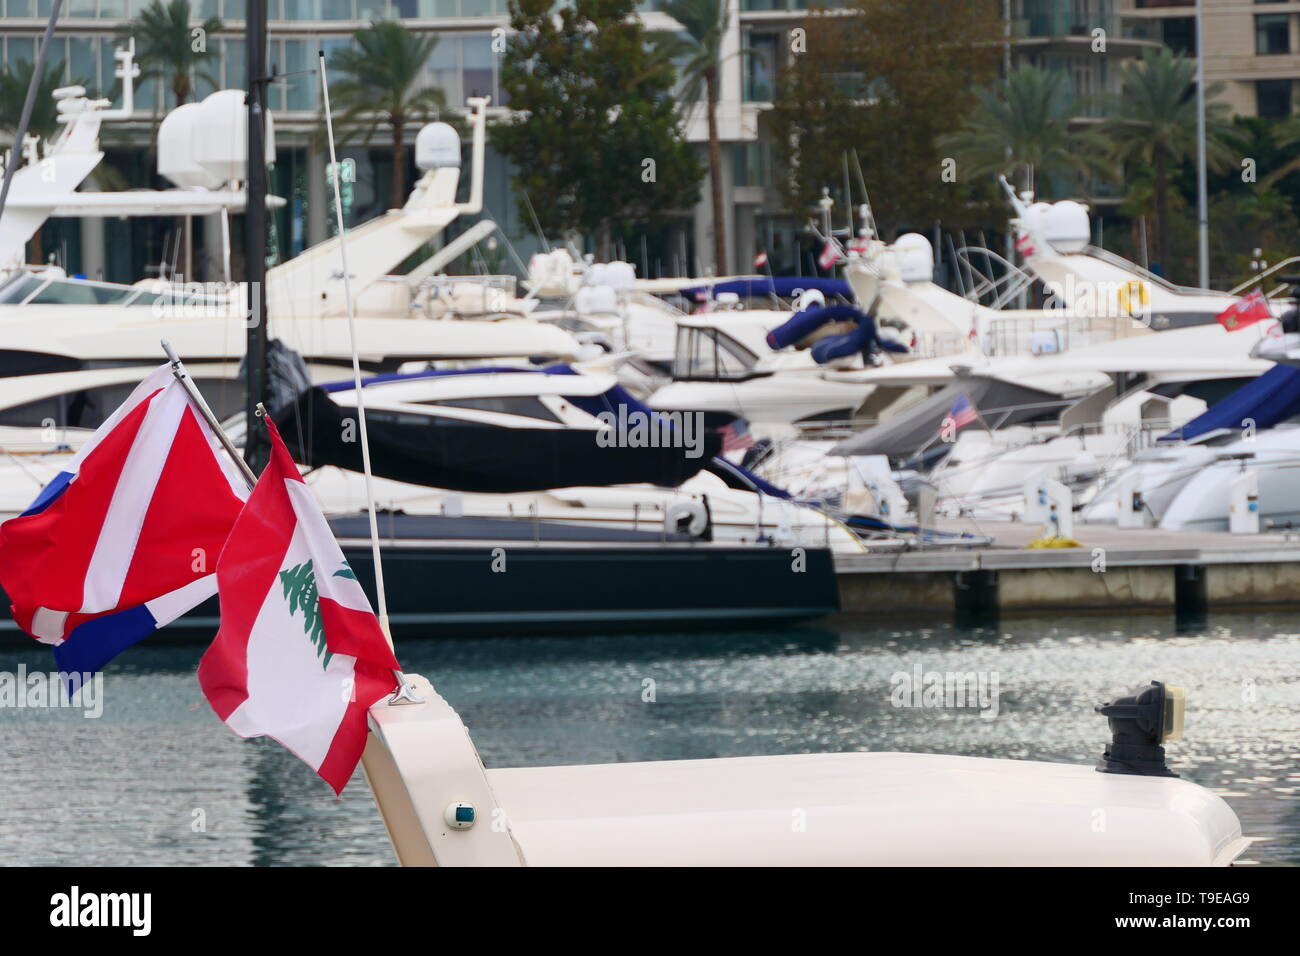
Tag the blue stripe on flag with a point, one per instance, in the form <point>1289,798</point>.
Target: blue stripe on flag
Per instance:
<point>49,493</point>
<point>94,643</point>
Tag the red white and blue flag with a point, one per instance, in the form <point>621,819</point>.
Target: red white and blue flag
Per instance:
<point>962,412</point>
<point>300,656</point>
<point>736,436</point>
<point>830,255</point>
<point>122,542</point>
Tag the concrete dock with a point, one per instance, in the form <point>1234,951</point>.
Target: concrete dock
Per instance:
<point>1116,571</point>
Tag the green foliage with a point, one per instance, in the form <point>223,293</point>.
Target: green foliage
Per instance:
<point>1020,128</point>
<point>379,81</point>
<point>1151,125</point>
<point>13,94</point>
<point>885,79</point>
<point>590,101</point>
<point>705,23</point>
<point>168,50</point>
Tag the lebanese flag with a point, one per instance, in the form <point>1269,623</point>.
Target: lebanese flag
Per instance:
<point>300,656</point>
<point>760,260</point>
<point>830,255</point>
<point>1247,311</point>
<point>1025,245</point>
<point>123,541</point>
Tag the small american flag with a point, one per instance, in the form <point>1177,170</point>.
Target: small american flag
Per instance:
<point>736,436</point>
<point>962,412</point>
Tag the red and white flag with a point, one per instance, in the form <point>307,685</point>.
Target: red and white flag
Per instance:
<point>1247,311</point>
<point>300,656</point>
<point>760,260</point>
<point>125,540</point>
<point>830,255</point>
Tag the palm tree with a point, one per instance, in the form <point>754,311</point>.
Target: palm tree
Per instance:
<point>705,22</point>
<point>13,94</point>
<point>381,82</point>
<point>1152,124</point>
<point>1021,126</point>
<point>166,46</point>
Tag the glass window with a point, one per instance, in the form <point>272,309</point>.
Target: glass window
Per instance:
<point>480,66</point>
<point>202,9</point>
<point>83,62</point>
<point>21,48</point>
<point>1273,98</point>
<point>751,164</point>
<point>528,406</point>
<point>336,10</point>
<point>1273,33</point>
<point>299,91</point>
<point>302,9</point>
<point>113,9</point>
<point>81,293</point>
<point>375,10</point>
<point>710,354</point>
<point>20,8</point>
<point>760,68</point>
<point>81,8</point>
<point>19,288</point>
<point>236,71</point>
<point>1179,34</point>
<point>444,69</point>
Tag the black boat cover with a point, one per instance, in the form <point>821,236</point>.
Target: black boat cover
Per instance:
<point>466,456</point>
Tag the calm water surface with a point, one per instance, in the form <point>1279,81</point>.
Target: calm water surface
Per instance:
<point>159,780</point>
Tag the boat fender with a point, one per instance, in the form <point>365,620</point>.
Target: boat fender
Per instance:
<point>689,515</point>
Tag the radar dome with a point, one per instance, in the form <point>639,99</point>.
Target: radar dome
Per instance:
<point>596,300</point>
<point>221,136</point>
<point>1065,225</point>
<point>437,146</point>
<point>176,141</point>
<point>915,257</point>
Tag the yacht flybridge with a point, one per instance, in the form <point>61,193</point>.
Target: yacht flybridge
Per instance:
<point>46,186</point>
<point>52,322</point>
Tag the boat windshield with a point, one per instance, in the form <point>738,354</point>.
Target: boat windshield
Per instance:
<point>43,290</point>
<point>711,355</point>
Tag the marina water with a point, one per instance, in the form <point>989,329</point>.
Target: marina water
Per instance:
<point>158,780</point>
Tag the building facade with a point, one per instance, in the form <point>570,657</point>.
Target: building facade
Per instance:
<point>1251,52</point>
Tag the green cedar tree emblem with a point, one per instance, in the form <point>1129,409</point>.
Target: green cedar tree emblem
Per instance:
<point>300,591</point>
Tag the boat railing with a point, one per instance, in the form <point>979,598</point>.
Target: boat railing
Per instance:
<point>481,294</point>
<point>1259,278</point>
<point>1000,291</point>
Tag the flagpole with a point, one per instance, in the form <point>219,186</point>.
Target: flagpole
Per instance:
<point>405,691</point>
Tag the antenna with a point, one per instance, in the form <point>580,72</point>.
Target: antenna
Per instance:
<point>405,691</point>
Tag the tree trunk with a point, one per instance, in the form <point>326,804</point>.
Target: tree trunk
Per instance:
<point>715,177</point>
<point>1162,211</point>
<point>398,197</point>
<point>181,88</point>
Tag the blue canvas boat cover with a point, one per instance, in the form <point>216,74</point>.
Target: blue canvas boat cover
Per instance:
<point>1273,397</point>
<point>786,287</point>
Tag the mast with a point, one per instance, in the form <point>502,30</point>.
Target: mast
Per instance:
<point>255,442</point>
